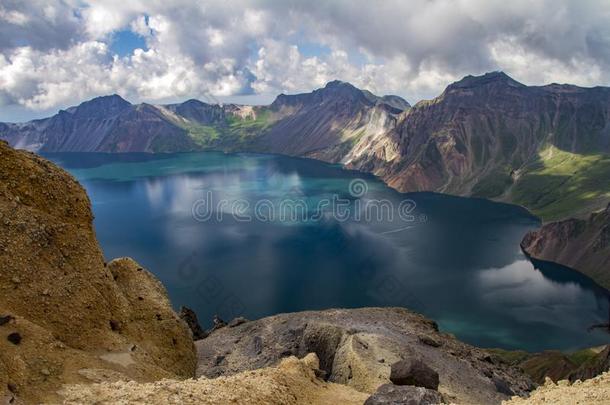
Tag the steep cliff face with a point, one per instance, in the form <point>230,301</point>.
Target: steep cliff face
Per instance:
<point>582,244</point>
<point>65,315</point>
<point>104,124</point>
<point>542,147</point>
<point>484,135</point>
<point>328,122</point>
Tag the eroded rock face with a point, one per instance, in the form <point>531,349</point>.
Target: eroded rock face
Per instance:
<point>77,317</point>
<point>357,347</point>
<point>328,122</point>
<point>583,244</point>
<point>471,138</point>
<point>190,317</point>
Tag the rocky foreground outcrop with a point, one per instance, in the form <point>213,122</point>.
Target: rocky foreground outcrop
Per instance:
<point>583,244</point>
<point>357,348</point>
<point>65,315</point>
<point>292,382</point>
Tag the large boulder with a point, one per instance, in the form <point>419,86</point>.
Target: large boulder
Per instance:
<point>413,372</point>
<point>389,394</point>
<point>67,316</point>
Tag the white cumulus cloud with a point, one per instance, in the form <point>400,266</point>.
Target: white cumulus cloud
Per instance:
<point>58,52</point>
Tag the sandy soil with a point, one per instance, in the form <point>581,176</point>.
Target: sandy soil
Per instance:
<point>292,382</point>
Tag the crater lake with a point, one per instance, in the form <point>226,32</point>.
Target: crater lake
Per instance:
<point>254,235</point>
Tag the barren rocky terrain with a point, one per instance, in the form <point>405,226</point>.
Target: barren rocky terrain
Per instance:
<point>293,381</point>
<point>66,316</point>
<point>357,347</point>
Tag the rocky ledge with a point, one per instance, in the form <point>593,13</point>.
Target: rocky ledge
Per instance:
<point>358,347</point>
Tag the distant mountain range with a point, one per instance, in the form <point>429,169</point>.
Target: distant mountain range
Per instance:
<point>320,120</point>
<point>544,147</point>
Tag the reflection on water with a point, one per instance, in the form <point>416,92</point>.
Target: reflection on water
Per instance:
<point>458,262</point>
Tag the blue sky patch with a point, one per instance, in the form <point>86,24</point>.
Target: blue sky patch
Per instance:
<point>310,49</point>
<point>124,42</point>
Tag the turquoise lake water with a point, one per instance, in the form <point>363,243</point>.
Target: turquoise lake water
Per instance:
<point>254,235</point>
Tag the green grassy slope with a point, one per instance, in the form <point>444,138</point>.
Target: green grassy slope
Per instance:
<point>561,184</point>
<point>235,133</point>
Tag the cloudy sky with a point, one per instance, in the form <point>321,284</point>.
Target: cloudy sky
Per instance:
<point>56,53</point>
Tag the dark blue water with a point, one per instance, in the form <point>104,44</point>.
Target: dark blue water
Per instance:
<point>191,219</point>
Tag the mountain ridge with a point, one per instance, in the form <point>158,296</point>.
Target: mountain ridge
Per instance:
<point>543,147</point>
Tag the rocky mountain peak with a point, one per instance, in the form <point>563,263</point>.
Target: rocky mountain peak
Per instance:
<point>335,90</point>
<point>488,79</point>
<point>101,106</point>
<point>342,90</point>
<point>199,111</point>
<point>338,83</point>
<point>347,89</point>
<point>193,102</point>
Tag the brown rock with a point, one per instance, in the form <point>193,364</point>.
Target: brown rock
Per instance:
<point>593,367</point>
<point>190,317</point>
<point>240,320</point>
<point>414,372</point>
<point>582,244</point>
<point>430,341</point>
<point>292,382</point>
<point>52,247</point>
